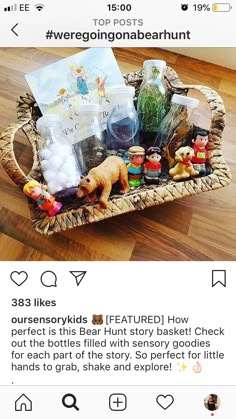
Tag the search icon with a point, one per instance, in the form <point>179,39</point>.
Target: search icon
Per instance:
<point>69,401</point>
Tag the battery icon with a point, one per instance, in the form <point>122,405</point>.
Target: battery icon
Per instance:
<point>221,7</point>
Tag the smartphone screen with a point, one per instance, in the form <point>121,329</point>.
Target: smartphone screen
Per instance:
<point>117,203</point>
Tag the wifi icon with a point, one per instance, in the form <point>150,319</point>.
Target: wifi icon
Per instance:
<point>39,7</point>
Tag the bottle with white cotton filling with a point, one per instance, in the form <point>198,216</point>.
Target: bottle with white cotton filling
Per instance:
<point>59,165</point>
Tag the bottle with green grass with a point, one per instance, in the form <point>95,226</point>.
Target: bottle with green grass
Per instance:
<point>152,100</point>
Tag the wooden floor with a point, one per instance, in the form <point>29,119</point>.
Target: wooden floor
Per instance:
<point>202,227</point>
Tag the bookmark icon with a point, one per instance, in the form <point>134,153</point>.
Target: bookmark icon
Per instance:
<point>219,277</point>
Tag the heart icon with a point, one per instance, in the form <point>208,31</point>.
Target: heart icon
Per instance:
<point>19,277</point>
<point>165,401</point>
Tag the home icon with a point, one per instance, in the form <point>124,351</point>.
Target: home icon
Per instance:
<point>23,403</point>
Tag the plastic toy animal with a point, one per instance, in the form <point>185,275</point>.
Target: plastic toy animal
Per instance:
<point>184,168</point>
<point>102,177</point>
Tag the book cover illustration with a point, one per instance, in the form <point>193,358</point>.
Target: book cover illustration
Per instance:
<point>86,77</point>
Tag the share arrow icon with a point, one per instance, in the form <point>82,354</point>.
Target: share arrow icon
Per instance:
<point>78,275</point>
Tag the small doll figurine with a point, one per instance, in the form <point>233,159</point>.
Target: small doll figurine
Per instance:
<point>136,156</point>
<point>152,167</point>
<point>184,168</point>
<point>200,140</point>
<point>44,199</point>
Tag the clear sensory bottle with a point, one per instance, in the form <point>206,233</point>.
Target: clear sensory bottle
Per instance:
<point>152,100</point>
<point>123,123</point>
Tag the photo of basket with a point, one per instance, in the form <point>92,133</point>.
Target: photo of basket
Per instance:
<point>74,213</point>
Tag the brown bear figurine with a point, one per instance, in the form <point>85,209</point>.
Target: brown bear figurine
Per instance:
<point>110,171</point>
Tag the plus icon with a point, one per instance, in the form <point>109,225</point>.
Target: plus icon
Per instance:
<point>117,402</point>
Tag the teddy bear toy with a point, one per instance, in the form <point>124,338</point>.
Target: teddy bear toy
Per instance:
<point>184,168</point>
<point>102,177</point>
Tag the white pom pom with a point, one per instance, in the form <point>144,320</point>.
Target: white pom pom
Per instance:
<point>62,177</point>
<point>55,148</point>
<point>66,168</point>
<point>55,162</point>
<point>44,164</point>
<point>67,149</point>
<point>73,181</point>
<point>69,152</point>
<point>68,184</point>
<point>59,188</point>
<point>45,154</point>
<point>58,149</point>
<point>49,175</point>
<point>53,186</point>
<point>70,160</point>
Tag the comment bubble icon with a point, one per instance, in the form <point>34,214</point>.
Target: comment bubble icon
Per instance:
<point>48,279</point>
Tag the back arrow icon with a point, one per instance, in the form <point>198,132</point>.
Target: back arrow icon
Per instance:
<point>12,29</point>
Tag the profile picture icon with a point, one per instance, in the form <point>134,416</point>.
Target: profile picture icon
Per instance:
<point>212,402</point>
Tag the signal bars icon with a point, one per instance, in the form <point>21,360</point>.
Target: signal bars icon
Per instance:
<point>12,8</point>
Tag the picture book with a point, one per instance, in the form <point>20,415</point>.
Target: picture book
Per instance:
<point>86,77</point>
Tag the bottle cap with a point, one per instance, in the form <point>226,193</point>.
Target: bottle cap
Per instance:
<point>89,107</point>
<point>47,121</point>
<point>190,102</point>
<point>155,63</point>
<point>122,90</point>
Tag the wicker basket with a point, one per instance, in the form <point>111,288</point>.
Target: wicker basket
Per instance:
<point>74,213</point>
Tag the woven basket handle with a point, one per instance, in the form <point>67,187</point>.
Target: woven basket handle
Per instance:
<point>8,158</point>
<point>214,101</point>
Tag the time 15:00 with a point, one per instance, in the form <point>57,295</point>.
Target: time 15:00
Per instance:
<point>117,7</point>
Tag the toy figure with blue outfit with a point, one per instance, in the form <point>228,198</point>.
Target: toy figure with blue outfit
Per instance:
<point>136,156</point>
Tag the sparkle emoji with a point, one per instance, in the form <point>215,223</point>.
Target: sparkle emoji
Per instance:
<point>197,368</point>
<point>182,367</point>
